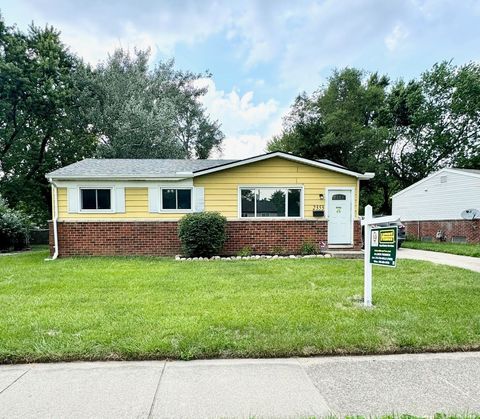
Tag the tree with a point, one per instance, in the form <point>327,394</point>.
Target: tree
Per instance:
<point>144,113</point>
<point>434,122</point>
<point>402,132</point>
<point>43,88</point>
<point>340,122</point>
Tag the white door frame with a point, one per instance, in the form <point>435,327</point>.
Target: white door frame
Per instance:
<point>352,209</point>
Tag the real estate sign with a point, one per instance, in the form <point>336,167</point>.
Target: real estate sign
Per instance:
<point>383,246</point>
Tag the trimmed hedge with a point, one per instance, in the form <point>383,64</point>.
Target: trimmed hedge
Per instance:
<point>202,234</point>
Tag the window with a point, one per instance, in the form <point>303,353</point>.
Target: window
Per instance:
<point>270,202</point>
<point>339,197</point>
<point>176,199</point>
<point>96,199</point>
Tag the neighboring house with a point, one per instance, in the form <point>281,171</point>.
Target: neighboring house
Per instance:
<point>431,208</point>
<point>273,203</point>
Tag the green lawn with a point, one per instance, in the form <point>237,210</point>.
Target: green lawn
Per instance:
<point>455,248</point>
<point>144,308</point>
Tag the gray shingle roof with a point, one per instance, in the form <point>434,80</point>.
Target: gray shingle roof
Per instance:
<point>142,168</point>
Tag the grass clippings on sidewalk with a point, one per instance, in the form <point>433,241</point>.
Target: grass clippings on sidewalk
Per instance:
<point>152,308</point>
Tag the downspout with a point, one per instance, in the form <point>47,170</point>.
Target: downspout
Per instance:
<point>54,220</point>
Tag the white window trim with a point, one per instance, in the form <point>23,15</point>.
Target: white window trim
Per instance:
<point>352,206</point>
<point>177,211</point>
<point>96,211</point>
<point>285,217</point>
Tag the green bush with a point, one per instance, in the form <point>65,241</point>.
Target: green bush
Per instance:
<point>278,250</point>
<point>309,248</point>
<point>245,251</point>
<point>14,228</point>
<point>202,234</point>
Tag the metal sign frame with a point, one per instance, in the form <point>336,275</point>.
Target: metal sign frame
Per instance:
<point>367,222</point>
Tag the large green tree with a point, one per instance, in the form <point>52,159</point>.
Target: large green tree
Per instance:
<point>145,112</point>
<point>401,131</point>
<point>433,122</point>
<point>340,122</point>
<point>43,88</point>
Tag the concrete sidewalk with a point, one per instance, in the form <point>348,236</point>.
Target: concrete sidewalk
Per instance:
<point>466,262</point>
<point>370,385</point>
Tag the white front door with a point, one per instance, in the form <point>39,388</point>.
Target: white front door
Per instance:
<point>339,213</point>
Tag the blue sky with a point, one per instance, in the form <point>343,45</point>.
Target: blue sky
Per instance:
<point>263,53</point>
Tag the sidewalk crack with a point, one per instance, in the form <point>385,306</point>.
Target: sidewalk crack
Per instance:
<point>14,381</point>
<point>150,413</point>
<point>317,388</point>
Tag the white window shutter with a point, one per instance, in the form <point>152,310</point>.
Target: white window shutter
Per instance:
<point>72,200</point>
<point>154,199</point>
<point>119,199</point>
<point>199,199</point>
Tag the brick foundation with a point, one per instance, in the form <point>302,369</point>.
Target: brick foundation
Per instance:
<point>160,238</point>
<point>451,228</point>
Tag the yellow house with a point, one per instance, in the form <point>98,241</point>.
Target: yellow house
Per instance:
<point>273,203</point>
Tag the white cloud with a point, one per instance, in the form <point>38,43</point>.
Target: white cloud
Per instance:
<point>393,39</point>
<point>247,125</point>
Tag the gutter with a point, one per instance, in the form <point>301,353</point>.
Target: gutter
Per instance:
<point>367,176</point>
<point>54,220</point>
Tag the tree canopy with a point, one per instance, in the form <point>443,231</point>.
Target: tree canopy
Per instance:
<point>154,113</point>
<point>402,131</point>
<point>43,89</point>
<point>56,110</point>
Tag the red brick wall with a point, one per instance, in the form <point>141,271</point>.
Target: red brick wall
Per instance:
<point>160,238</point>
<point>465,228</point>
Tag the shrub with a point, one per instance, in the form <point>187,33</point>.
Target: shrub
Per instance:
<point>309,248</point>
<point>14,228</point>
<point>245,251</point>
<point>278,250</point>
<point>202,234</point>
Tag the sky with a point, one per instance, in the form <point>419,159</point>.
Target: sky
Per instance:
<point>263,53</point>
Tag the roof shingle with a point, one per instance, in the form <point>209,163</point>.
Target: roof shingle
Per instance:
<point>134,167</point>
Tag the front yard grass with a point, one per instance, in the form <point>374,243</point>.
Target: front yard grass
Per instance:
<point>148,308</point>
<point>454,248</point>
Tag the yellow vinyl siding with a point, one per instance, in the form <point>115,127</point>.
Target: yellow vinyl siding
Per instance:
<point>221,188</point>
<point>136,208</point>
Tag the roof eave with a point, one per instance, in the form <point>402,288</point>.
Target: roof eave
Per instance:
<point>179,176</point>
<point>367,176</point>
<point>315,163</point>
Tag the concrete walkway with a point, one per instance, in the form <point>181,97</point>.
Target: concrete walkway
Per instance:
<point>370,385</point>
<point>466,262</point>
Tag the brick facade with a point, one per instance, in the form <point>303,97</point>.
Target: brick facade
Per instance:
<point>160,238</point>
<point>450,228</point>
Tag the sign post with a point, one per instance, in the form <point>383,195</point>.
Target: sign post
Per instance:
<point>367,286</point>
<point>380,245</point>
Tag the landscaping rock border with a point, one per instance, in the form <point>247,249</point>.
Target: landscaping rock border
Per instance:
<point>254,257</point>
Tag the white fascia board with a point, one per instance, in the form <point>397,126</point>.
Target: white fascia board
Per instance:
<point>287,157</point>
<point>462,172</point>
<point>109,177</point>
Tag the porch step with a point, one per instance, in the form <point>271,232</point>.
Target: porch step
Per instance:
<point>346,254</point>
